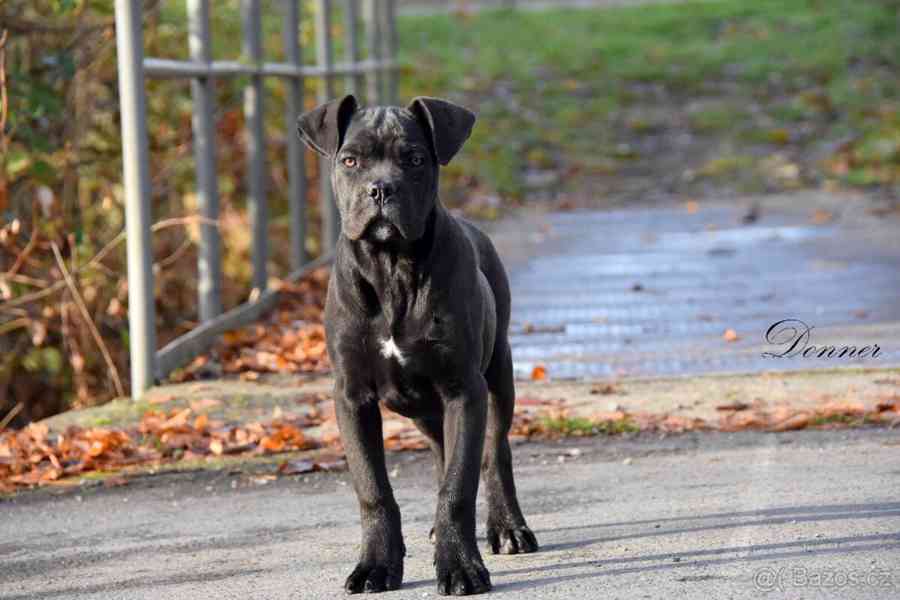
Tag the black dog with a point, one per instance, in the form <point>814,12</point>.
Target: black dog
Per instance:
<point>417,317</point>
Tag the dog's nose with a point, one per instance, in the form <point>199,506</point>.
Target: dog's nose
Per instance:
<point>380,191</point>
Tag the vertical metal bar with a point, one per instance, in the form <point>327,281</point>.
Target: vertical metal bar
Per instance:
<point>296,164</point>
<point>209,258</point>
<point>256,144</point>
<point>389,42</point>
<point>325,56</point>
<point>351,51</point>
<point>373,48</point>
<point>136,177</point>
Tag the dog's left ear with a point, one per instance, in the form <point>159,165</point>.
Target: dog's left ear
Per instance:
<point>449,125</point>
<point>323,128</point>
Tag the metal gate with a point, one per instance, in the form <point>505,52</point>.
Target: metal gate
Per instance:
<point>376,73</point>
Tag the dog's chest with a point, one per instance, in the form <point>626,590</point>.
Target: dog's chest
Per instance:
<point>401,378</point>
<point>391,351</point>
<point>406,357</point>
<point>412,346</point>
<point>407,322</point>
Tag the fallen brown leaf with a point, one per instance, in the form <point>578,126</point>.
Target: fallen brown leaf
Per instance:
<point>201,422</point>
<point>205,404</point>
<point>336,464</point>
<point>792,423</point>
<point>161,399</point>
<point>296,467</point>
<point>888,406</point>
<point>820,216</point>
<point>606,389</point>
<point>735,406</point>
<point>532,401</point>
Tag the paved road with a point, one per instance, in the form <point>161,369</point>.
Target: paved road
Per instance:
<point>652,291</point>
<point>711,516</point>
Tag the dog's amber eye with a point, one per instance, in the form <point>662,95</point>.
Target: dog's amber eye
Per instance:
<point>349,162</point>
<point>416,160</point>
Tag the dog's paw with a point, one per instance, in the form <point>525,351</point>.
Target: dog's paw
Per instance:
<point>374,578</point>
<point>460,570</point>
<point>511,540</point>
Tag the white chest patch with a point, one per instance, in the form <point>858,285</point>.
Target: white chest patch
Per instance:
<point>389,349</point>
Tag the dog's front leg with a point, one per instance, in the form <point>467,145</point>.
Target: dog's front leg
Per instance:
<point>380,564</point>
<point>458,563</point>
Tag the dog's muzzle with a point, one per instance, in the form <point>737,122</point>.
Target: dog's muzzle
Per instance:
<point>381,192</point>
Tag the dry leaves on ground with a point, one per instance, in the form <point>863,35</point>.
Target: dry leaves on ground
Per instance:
<point>829,414</point>
<point>34,456</point>
<point>291,340</point>
<point>545,423</point>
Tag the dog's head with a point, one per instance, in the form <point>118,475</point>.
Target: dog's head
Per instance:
<point>384,161</point>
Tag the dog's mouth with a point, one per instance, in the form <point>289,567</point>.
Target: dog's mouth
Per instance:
<point>381,229</point>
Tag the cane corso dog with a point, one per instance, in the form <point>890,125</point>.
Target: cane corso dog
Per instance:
<point>416,319</point>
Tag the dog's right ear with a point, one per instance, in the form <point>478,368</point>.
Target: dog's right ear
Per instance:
<point>449,125</point>
<point>323,128</point>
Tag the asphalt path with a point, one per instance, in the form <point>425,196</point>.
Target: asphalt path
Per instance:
<point>806,515</point>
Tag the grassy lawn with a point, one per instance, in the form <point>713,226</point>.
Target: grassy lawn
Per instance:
<point>780,93</point>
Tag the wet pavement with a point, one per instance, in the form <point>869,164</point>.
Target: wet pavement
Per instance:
<point>652,291</point>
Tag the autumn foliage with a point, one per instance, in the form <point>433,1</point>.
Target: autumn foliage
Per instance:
<point>291,340</point>
<point>35,456</point>
<point>65,345</point>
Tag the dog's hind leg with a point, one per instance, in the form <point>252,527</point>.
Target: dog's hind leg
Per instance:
<point>507,532</point>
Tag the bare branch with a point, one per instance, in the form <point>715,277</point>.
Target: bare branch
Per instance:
<point>14,324</point>
<point>11,415</point>
<point>173,258</point>
<point>82,308</point>
<point>94,263</point>
<point>23,255</point>
<point>4,100</point>
<point>25,26</point>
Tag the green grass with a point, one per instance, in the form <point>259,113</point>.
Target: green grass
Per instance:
<point>725,166</point>
<point>557,79</point>
<point>846,420</point>
<point>719,117</point>
<point>581,426</point>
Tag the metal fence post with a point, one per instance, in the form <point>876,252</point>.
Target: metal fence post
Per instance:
<point>256,144</point>
<point>380,40</point>
<point>324,54</point>
<point>373,49</point>
<point>209,258</point>
<point>136,177</point>
<point>389,51</point>
<point>296,159</point>
<point>351,41</point>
